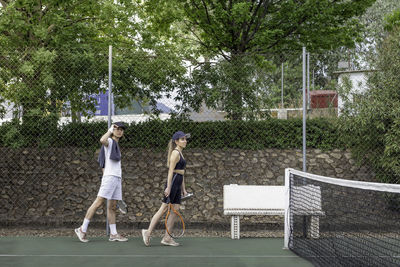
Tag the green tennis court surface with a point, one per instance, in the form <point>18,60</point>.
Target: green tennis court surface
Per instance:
<point>68,251</point>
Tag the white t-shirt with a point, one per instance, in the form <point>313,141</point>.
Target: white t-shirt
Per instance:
<point>112,167</point>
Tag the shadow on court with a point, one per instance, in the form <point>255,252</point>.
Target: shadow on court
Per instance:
<point>68,251</point>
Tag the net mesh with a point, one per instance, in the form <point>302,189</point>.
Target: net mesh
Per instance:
<point>338,225</point>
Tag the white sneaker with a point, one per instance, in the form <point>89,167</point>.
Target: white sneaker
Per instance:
<point>146,238</point>
<point>81,235</point>
<point>169,242</point>
<point>117,237</point>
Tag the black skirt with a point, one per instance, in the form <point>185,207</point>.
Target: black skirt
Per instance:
<point>176,190</point>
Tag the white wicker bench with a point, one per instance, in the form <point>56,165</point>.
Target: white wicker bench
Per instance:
<point>242,200</point>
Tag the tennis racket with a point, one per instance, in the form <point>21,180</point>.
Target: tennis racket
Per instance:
<point>122,207</point>
<point>174,223</point>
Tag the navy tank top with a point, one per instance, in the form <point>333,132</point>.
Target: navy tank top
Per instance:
<point>181,164</point>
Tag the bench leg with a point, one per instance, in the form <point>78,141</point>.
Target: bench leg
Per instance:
<point>235,227</point>
<point>314,227</point>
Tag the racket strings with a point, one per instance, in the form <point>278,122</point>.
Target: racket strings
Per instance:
<point>122,206</point>
<point>174,223</point>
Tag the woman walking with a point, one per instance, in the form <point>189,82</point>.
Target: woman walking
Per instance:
<point>174,187</point>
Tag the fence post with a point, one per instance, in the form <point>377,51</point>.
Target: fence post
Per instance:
<point>109,115</point>
<point>282,89</point>
<point>304,109</point>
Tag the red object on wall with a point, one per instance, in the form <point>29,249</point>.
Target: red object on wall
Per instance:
<point>323,99</point>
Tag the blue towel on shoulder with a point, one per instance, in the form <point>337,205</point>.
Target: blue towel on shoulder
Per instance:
<point>115,154</point>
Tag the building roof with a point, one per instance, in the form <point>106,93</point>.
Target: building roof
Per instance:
<point>323,92</point>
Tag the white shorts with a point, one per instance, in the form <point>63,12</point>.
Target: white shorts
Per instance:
<point>111,187</point>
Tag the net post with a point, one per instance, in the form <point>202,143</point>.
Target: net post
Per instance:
<point>286,216</point>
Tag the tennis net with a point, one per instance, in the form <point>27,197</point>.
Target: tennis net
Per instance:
<point>336,222</point>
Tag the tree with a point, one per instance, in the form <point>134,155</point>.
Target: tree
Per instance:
<point>50,50</point>
<point>147,75</point>
<point>363,53</point>
<point>252,33</point>
<point>56,52</point>
<point>370,125</point>
<point>373,21</point>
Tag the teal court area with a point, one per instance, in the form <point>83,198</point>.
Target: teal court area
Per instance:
<point>194,251</point>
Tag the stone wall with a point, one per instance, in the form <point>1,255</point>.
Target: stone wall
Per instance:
<point>56,186</point>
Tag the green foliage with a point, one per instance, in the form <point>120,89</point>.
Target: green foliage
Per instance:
<point>226,42</point>
<point>11,135</point>
<point>155,134</point>
<point>292,84</point>
<point>242,26</point>
<point>54,52</point>
<point>146,77</point>
<point>370,125</point>
<point>392,21</point>
<point>374,29</point>
<point>84,135</point>
<point>237,87</point>
<point>35,130</point>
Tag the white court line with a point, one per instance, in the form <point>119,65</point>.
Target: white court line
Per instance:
<point>154,256</point>
<point>184,256</point>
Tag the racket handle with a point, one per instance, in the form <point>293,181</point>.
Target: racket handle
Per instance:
<point>189,195</point>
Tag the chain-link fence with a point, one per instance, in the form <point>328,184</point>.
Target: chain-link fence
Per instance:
<point>55,109</point>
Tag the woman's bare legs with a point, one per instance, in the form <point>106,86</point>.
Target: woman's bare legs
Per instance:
<point>157,217</point>
<point>171,222</point>
<point>146,233</point>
